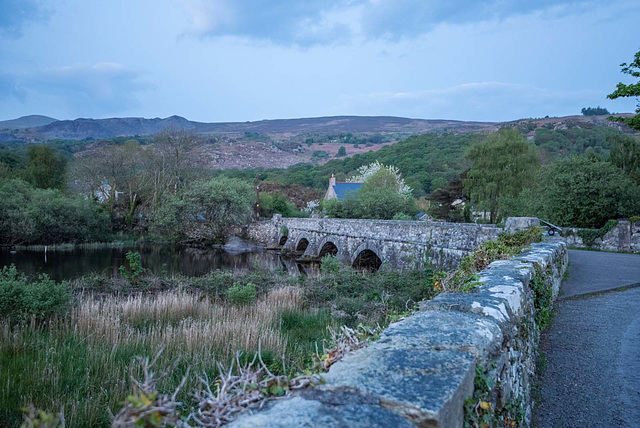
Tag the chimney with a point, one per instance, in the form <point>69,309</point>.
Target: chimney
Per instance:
<point>332,180</point>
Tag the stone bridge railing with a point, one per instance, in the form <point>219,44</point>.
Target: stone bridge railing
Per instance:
<point>397,244</point>
<point>422,368</point>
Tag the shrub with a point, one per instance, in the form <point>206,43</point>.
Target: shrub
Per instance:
<point>330,264</point>
<point>22,298</point>
<point>402,216</point>
<point>242,294</point>
<point>133,268</point>
<point>207,210</point>
<point>39,216</point>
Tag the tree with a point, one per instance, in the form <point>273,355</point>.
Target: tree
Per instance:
<point>341,152</point>
<point>378,198</point>
<point>47,216</point>
<point>584,191</point>
<point>443,199</point>
<point>594,111</point>
<point>630,90</point>
<point>175,160</point>
<point>207,210</point>
<point>46,169</point>
<point>502,165</point>
<point>381,175</point>
<point>625,154</point>
<point>371,203</point>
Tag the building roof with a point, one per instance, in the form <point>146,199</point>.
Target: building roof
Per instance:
<point>343,189</point>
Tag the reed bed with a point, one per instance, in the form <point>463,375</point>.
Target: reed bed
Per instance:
<point>83,363</point>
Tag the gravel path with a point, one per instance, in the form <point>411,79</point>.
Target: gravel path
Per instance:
<point>592,348</point>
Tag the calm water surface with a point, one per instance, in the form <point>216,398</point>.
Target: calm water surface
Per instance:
<point>71,263</point>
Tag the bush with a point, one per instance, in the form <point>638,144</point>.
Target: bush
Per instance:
<point>584,192</point>
<point>22,298</point>
<point>207,210</point>
<point>133,268</point>
<point>402,216</point>
<point>242,294</point>
<point>371,203</point>
<point>38,216</point>
<point>330,264</point>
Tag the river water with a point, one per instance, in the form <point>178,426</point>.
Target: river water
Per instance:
<point>64,264</point>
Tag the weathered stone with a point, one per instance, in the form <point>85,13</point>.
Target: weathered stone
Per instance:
<point>445,330</point>
<point>398,244</point>
<point>514,224</point>
<point>302,412</point>
<point>427,388</point>
<point>495,308</point>
<point>509,270</point>
<point>423,367</point>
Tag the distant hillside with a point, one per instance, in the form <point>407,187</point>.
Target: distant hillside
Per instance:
<point>80,129</point>
<point>42,128</point>
<point>26,122</point>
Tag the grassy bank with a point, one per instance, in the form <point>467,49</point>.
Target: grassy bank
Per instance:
<point>83,360</point>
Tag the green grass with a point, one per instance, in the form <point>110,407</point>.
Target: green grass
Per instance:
<point>83,361</point>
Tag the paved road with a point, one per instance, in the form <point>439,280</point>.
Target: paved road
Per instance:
<point>592,348</point>
<point>592,271</point>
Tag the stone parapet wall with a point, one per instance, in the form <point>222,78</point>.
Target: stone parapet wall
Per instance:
<point>624,236</point>
<point>422,368</point>
<point>463,236</point>
<point>399,244</point>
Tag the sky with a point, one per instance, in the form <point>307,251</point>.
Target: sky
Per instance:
<point>241,60</point>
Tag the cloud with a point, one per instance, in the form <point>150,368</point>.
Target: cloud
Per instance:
<point>311,22</point>
<point>478,101</point>
<point>300,22</point>
<point>10,87</point>
<point>102,88</point>
<point>14,14</point>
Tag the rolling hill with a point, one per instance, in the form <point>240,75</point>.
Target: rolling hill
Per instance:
<point>80,129</point>
<point>23,122</point>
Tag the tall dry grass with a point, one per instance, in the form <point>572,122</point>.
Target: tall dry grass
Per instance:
<point>84,362</point>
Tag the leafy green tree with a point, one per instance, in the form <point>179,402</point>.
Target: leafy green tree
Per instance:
<point>207,210</point>
<point>626,155</point>
<point>630,90</point>
<point>584,191</point>
<point>378,198</point>
<point>594,111</point>
<point>341,152</point>
<point>47,216</point>
<point>502,165</point>
<point>46,169</point>
<point>382,204</point>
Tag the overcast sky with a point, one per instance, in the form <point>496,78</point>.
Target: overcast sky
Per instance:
<point>238,60</point>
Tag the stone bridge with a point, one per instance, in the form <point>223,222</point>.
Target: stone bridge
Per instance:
<point>374,244</point>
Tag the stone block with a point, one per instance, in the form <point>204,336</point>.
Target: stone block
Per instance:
<point>440,330</point>
<point>493,307</point>
<point>323,409</point>
<point>513,224</point>
<point>427,388</point>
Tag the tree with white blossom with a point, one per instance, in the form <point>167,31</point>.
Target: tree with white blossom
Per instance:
<point>384,175</point>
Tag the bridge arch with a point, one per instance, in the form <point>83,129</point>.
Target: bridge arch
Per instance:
<point>302,244</point>
<point>329,245</point>
<point>283,240</point>
<point>367,257</point>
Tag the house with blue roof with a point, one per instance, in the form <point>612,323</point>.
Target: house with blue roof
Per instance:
<point>340,190</point>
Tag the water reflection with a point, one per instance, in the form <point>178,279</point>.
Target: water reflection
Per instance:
<point>191,261</point>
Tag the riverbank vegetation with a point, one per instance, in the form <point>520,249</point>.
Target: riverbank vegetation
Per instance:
<point>158,188</point>
<point>80,355</point>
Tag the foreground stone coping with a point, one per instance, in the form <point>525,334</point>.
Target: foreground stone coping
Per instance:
<point>422,368</point>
